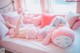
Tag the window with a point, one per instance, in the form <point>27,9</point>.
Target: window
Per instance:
<point>32,6</point>
<point>62,6</point>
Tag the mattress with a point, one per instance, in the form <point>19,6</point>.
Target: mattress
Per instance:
<point>18,45</point>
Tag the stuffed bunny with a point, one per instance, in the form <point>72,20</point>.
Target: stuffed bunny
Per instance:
<point>58,33</point>
<point>62,37</point>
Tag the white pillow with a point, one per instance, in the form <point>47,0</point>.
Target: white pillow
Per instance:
<point>70,15</point>
<point>3,30</point>
<point>12,17</point>
<point>2,19</point>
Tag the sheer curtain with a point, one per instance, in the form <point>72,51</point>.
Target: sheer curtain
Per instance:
<point>32,6</point>
<point>63,7</point>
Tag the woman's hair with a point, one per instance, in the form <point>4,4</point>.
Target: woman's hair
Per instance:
<point>57,20</point>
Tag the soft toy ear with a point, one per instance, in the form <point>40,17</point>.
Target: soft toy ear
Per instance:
<point>46,40</point>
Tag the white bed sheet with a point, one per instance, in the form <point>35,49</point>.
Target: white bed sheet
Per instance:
<point>33,46</point>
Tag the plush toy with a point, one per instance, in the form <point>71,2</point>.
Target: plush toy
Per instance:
<point>62,37</point>
<point>59,33</point>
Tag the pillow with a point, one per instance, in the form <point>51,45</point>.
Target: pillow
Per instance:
<point>46,19</point>
<point>76,25</point>
<point>71,18</point>
<point>1,19</point>
<point>70,15</point>
<point>3,30</point>
<point>72,21</point>
<point>63,37</point>
<point>36,20</point>
<point>12,17</point>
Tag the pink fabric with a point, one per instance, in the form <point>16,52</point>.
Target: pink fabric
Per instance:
<point>33,19</point>
<point>72,21</point>
<point>31,32</point>
<point>46,19</point>
<point>64,32</point>
<point>36,21</point>
<point>76,25</point>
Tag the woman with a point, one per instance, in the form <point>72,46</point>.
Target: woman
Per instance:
<point>57,22</point>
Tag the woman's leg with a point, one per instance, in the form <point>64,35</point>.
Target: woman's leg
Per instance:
<point>19,33</point>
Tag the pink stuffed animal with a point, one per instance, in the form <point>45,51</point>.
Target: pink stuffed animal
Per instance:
<point>62,37</point>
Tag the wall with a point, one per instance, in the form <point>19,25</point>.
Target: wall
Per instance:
<point>78,7</point>
<point>4,2</point>
<point>6,6</point>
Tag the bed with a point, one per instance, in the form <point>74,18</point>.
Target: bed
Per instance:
<point>17,45</point>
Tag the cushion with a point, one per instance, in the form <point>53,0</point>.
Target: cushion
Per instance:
<point>36,20</point>
<point>72,21</point>
<point>46,19</point>
<point>11,17</point>
<point>72,18</point>
<point>32,19</point>
<point>76,25</point>
<point>3,30</point>
<point>69,15</point>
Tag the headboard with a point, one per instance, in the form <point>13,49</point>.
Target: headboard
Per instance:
<point>6,6</point>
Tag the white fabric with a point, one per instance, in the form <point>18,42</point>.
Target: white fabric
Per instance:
<point>12,17</point>
<point>2,19</point>
<point>3,30</point>
<point>11,14</point>
<point>63,41</point>
<point>70,15</point>
<point>24,46</point>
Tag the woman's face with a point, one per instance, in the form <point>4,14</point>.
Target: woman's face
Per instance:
<point>61,24</point>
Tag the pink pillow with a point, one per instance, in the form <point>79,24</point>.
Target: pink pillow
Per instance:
<point>46,19</point>
<point>36,20</point>
<point>76,25</point>
<point>72,21</point>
